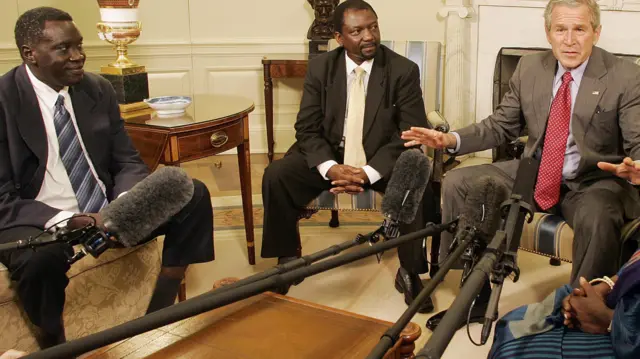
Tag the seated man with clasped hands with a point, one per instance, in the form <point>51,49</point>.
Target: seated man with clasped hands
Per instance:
<point>357,99</point>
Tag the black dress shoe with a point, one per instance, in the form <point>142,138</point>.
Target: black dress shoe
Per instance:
<point>284,289</point>
<point>477,316</point>
<point>411,285</point>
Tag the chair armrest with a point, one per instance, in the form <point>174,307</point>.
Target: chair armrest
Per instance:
<point>438,122</point>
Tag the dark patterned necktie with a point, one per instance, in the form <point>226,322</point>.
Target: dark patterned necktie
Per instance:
<point>547,192</point>
<point>89,194</point>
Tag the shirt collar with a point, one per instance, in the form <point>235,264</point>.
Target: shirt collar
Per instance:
<point>351,65</point>
<point>576,73</point>
<point>48,95</point>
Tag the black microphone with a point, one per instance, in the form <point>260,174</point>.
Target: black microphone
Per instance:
<point>477,219</point>
<point>515,209</point>
<point>132,217</point>
<point>498,261</point>
<point>406,186</point>
<point>129,219</point>
<point>403,194</point>
<point>481,212</point>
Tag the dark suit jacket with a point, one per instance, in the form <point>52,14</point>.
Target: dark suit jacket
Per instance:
<point>605,122</point>
<point>23,145</point>
<point>394,103</point>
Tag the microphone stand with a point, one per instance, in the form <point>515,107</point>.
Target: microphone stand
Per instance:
<point>390,337</point>
<point>507,238</point>
<point>203,303</point>
<point>372,237</point>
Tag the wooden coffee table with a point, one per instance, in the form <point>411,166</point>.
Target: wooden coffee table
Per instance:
<point>265,326</point>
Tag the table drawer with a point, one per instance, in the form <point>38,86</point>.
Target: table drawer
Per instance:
<point>210,141</point>
<point>288,70</point>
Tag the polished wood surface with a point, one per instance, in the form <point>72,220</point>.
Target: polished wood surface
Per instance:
<point>277,69</point>
<point>266,326</point>
<point>211,125</point>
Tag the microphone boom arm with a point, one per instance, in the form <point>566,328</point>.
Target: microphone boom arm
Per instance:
<point>210,301</point>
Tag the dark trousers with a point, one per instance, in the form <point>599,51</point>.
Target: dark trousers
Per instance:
<point>288,185</point>
<point>596,213</point>
<point>40,274</point>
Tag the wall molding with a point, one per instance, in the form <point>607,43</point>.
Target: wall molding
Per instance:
<point>100,50</point>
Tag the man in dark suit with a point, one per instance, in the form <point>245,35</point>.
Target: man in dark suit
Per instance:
<point>326,158</point>
<point>64,151</point>
<point>581,105</point>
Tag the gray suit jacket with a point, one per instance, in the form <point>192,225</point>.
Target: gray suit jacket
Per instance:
<point>606,118</point>
<point>605,123</point>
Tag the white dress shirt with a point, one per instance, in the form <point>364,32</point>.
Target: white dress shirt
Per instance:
<point>56,190</point>
<point>324,167</point>
<point>572,155</point>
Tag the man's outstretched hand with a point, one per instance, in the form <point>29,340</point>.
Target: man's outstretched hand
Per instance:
<point>628,170</point>
<point>347,179</point>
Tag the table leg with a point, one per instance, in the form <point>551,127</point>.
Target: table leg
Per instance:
<point>244,165</point>
<point>268,104</point>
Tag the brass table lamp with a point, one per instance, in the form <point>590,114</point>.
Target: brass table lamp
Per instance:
<point>120,27</point>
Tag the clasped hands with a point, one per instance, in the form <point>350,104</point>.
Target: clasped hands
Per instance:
<point>585,308</point>
<point>347,179</point>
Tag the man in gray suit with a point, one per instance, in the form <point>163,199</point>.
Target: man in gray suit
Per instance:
<point>581,105</point>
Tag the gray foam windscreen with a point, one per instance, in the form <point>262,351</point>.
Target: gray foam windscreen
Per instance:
<point>482,205</point>
<point>153,201</point>
<point>409,179</point>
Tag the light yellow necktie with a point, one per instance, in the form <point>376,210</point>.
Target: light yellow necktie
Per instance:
<point>353,150</point>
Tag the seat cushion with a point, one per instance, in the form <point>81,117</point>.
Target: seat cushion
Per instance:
<point>369,200</point>
<point>548,235</point>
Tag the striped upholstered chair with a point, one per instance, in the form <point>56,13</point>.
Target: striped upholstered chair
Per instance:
<point>428,56</point>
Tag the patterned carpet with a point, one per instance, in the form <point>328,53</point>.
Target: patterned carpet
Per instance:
<point>231,217</point>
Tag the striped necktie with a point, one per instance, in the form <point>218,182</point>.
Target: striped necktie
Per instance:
<point>90,196</point>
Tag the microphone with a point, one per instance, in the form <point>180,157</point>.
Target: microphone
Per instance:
<point>498,260</point>
<point>481,212</point>
<point>132,217</point>
<point>403,194</point>
<point>406,186</point>
<point>478,218</point>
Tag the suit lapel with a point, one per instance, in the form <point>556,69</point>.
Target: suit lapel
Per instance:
<point>589,94</point>
<point>375,91</point>
<point>30,122</point>
<point>84,107</point>
<point>337,95</point>
<point>543,91</point>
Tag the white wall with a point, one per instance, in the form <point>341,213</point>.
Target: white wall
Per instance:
<point>215,46</point>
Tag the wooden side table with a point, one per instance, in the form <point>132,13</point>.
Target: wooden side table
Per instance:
<point>213,124</point>
<point>278,69</point>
